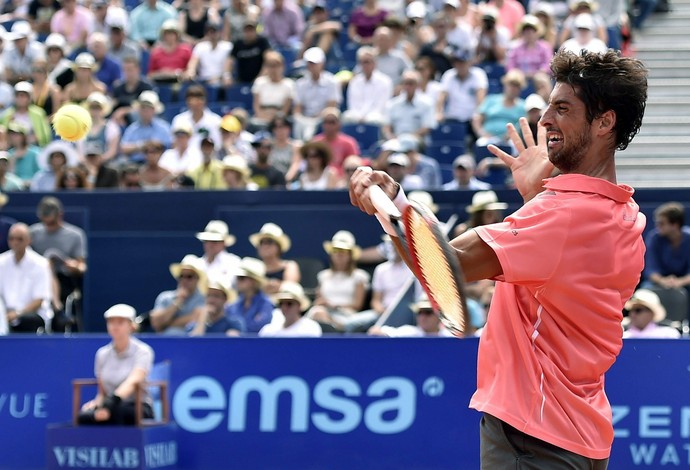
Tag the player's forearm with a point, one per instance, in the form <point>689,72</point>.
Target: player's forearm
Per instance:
<point>477,259</point>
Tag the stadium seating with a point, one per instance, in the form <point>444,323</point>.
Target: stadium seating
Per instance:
<point>366,135</point>
<point>448,131</point>
<point>240,93</point>
<point>481,151</point>
<point>445,152</point>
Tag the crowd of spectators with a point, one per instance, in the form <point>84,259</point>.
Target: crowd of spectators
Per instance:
<point>174,89</point>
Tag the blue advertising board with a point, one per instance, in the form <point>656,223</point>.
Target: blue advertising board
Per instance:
<point>332,402</point>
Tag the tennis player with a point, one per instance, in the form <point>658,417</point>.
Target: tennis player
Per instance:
<point>565,264</point>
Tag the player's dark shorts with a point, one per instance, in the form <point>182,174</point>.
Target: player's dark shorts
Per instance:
<point>504,447</point>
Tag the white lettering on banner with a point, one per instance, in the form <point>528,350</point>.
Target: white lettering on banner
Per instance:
<point>651,455</point>
<point>96,457</point>
<point>185,401</point>
<point>654,422</point>
<point>269,392</point>
<point>199,402</point>
<point>23,405</point>
<point>160,454</point>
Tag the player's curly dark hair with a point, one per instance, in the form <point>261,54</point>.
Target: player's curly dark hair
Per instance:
<point>605,82</point>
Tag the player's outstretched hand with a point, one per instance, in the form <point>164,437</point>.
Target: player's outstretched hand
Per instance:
<point>532,164</point>
<point>360,181</point>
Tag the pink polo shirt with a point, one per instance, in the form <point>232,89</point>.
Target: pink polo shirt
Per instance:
<point>571,258</point>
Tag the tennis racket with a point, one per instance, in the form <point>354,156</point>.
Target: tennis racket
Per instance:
<point>390,218</point>
<point>426,250</point>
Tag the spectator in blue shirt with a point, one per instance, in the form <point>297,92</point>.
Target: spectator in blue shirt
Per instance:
<point>253,306</point>
<point>109,70</point>
<point>212,318</point>
<point>146,21</point>
<point>667,260</point>
<point>147,127</point>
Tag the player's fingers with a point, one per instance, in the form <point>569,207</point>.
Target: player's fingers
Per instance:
<point>506,158</point>
<point>541,136</point>
<point>526,132</point>
<point>359,190</point>
<point>515,138</point>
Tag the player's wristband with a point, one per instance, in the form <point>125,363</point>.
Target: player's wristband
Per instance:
<point>400,200</point>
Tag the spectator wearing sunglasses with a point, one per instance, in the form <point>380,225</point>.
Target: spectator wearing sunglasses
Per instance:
<point>645,313</point>
<point>292,303</point>
<point>174,309</point>
<point>428,324</point>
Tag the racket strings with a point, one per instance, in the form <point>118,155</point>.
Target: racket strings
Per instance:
<point>438,274</point>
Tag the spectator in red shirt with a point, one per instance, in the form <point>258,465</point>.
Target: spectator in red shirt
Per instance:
<point>342,145</point>
<point>169,58</point>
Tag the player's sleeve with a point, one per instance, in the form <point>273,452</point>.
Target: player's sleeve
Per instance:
<point>529,243</point>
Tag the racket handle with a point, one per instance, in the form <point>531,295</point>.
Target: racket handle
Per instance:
<point>382,203</point>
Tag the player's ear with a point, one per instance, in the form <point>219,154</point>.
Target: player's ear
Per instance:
<point>607,121</point>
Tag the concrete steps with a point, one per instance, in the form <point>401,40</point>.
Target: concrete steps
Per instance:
<point>659,156</point>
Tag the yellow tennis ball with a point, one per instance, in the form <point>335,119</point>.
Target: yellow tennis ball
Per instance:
<point>72,122</point>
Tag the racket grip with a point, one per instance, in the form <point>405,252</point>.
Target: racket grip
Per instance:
<point>386,225</point>
<point>382,202</point>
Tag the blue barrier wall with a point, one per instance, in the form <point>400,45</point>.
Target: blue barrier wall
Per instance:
<point>333,402</point>
<point>133,237</point>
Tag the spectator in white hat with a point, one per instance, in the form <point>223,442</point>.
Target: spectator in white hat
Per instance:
<point>59,67</point>
<point>174,309</point>
<point>529,53</point>
<point>463,175</point>
<point>534,106</point>
<point>74,22</point>
<point>584,36</point>
<point>577,8</point>
<point>147,127</point>
<point>485,209</point>
<point>182,157</point>
<point>271,244</point>
<point>170,57</point>
<point>217,262</point>
<point>85,81</point>
<point>30,115</point>
<point>104,131</point>
<point>342,288</point>
<point>212,318</point>
<point>292,303</point>
<point>428,323</point>
<point>645,312</point>
<point>397,166</point>
<point>116,22</point>
<point>252,306</point>
<point>125,356</point>
<point>18,59</point>
<point>315,91</point>
<point>236,173</point>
